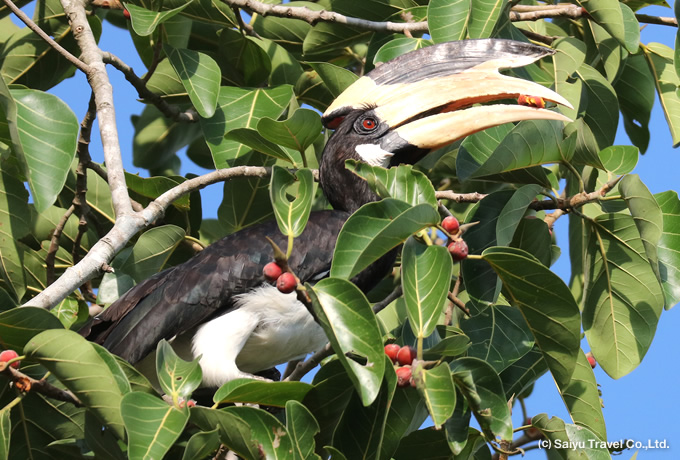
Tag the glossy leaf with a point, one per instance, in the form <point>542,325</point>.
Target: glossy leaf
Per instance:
<point>622,296</point>
<point>546,304</point>
<point>72,360</point>
<point>151,251</point>
<point>144,21</point>
<point>635,89</point>
<point>178,378</point>
<point>448,20</point>
<point>607,14</point>
<point>533,236</point>
<point>619,159</point>
<point>439,394</point>
<point>602,112</point>
<point>291,215</point>
<point>14,225</point>
<point>200,75</point>
<point>253,139</point>
<point>484,393</point>
<point>202,444</point>
<point>18,326</point>
<point>397,47</point>
<point>499,336</point>
<point>302,428</point>
<point>336,79</point>
<point>152,425</point>
<point>47,134</point>
<point>235,433</point>
<point>632,29</point>
<point>297,132</point>
<point>263,393</point>
<point>484,14</point>
<point>407,411</point>
<point>582,398</point>
<point>270,434</point>
<point>669,259</point>
<point>375,229</point>
<point>400,182</point>
<point>660,60</point>
<point>351,326</point>
<point>241,108</point>
<point>425,279</point>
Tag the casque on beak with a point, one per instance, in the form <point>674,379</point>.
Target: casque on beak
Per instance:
<point>429,98</point>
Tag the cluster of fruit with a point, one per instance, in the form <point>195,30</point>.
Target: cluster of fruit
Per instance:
<point>9,355</point>
<point>457,248</point>
<point>285,281</point>
<point>403,356</point>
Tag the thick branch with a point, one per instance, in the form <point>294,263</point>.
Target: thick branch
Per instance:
<point>103,93</point>
<point>166,109</point>
<point>312,17</point>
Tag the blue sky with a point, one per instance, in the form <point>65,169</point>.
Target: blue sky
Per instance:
<point>640,406</point>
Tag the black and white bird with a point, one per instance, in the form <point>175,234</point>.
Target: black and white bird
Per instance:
<point>217,305</point>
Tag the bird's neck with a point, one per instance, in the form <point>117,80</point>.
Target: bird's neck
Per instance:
<point>345,190</point>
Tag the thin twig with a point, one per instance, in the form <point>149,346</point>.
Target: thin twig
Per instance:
<point>54,244</point>
<point>391,297</point>
<point>450,195</point>
<point>304,367</point>
<point>170,111</point>
<point>42,34</point>
<point>26,384</point>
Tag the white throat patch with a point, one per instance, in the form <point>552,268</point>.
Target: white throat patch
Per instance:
<point>374,155</point>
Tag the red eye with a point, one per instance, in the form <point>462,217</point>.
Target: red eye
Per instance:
<point>369,123</point>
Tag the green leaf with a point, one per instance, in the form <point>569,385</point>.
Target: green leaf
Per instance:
<point>153,187</point>
<point>546,304</point>
<point>407,412</point>
<point>336,79</point>
<point>202,445</point>
<point>632,29</point>
<point>253,139</point>
<point>270,434</point>
<point>660,60</point>
<point>635,89</point>
<point>439,394</point>
<point>19,325</point>
<point>178,378</point>
<point>5,432</point>
<point>327,41</point>
<point>263,393</point>
<point>242,60</point>
<point>152,425</point>
<point>400,182</point>
<point>398,46</point>
<point>351,326</point>
<point>200,75</point>
<point>297,132</point>
<point>582,398</point>
<point>669,259</point>
<point>69,310</point>
<point>523,373</point>
<point>144,22</point>
<point>45,138</point>
<point>602,111</point>
<point>533,236</point>
<point>151,251</point>
<point>577,442</point>
<point>425,444</point>
<point>619,159</point>
<point>611,52</point>
<point>484,15</point>
<point>302,428</point>
<point>607,13</point>
<point>14,224</point>
<point>646,214</point>
<point>499,335</point>
<point>235,433</point>
<point>448,20</point>
<point>77,365</point>
<point>622,296</point>
<point>425,279</point>
<point>291,215</point>
<point>375,229</point>
<point>484,393</point>
<point>241,108</point>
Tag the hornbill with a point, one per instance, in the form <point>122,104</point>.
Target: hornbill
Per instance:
<point>217,304</point>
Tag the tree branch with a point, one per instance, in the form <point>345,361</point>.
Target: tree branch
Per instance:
<point>103,93</point>
<point>26,384</point>
<point>166,109</point>
<point>41,33</point>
